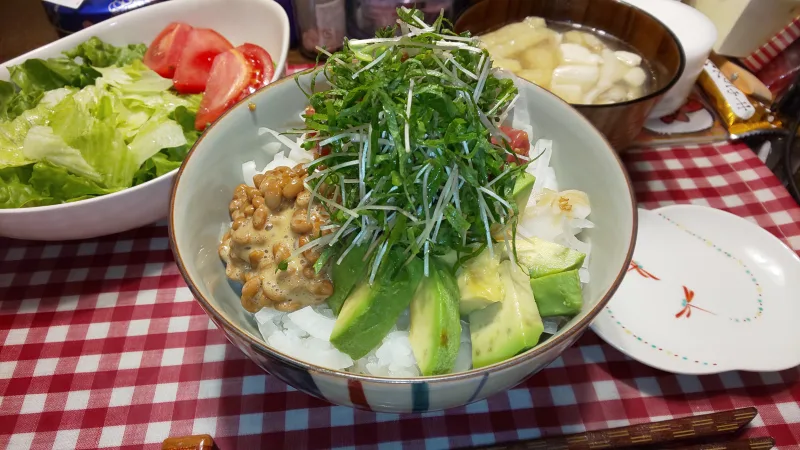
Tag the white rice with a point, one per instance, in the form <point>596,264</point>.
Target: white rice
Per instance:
<point>464,358</point>
<point>305,334</point>
<point>393,357</point>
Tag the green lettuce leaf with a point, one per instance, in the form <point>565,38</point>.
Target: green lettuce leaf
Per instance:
<point>61,186</point>
<point>161,163</point>
<point>39,75</point>
<point>43,184</point>
<point>185,119</point>
<point>16,190</point>
<point>36,76</point>
<point>159,132</point>
<point>13,103</point>
<point>135,78</point>
<point>85,121</point>
<point>100,54</point>
<point>42,145</point>
<point>13,133</point>
<point>169,159</point>
<point>93,122</point>
<point>7,92</point>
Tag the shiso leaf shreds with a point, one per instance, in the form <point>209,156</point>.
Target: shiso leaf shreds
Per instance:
<point>406,128</point>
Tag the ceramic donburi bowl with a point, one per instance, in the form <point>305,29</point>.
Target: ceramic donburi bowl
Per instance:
<point>582,160</point>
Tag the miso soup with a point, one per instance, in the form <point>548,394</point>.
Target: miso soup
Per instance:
<point>580,65</point>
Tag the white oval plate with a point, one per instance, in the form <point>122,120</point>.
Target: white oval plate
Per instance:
<point>707,292</point>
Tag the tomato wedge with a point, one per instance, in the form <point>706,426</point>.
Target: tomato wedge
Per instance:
<point>261,62</point>
<point>230,78</point>
<point>520,142</point>
<point>202,46</point>
<point>164,53</point>
<point>234,75</point>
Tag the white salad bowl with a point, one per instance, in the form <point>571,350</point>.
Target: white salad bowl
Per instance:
<point>199,216</point>
<point>261,22</point>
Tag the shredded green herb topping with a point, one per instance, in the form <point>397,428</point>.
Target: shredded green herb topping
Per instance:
<point>405,133</point>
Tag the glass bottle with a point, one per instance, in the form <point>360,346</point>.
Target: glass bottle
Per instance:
<point>366,16</point>
<point>319,23</point>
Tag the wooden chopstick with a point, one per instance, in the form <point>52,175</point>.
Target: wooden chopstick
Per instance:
<point>646,434</point>
<point>761,443</point>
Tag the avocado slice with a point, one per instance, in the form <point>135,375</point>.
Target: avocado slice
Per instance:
<point>522,190</point>
<point>504,329</point>
<point>345,276</point>
<point>542,258</point>
<point>370,312</point>
<point>435,331</point>
<point>449,259</point>
<point>559,294</point>
<point>479,283</point>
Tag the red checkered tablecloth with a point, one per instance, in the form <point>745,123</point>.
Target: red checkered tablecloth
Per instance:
<point>104,346</point>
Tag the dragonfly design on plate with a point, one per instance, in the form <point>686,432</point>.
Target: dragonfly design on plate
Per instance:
<point>640,270</point>
<point>688,296</point>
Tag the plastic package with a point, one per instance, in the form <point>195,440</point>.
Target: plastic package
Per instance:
<point>739,113</point>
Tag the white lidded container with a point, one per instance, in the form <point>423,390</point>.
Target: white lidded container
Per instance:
<point>696,34</point>
<point>745,25</point>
